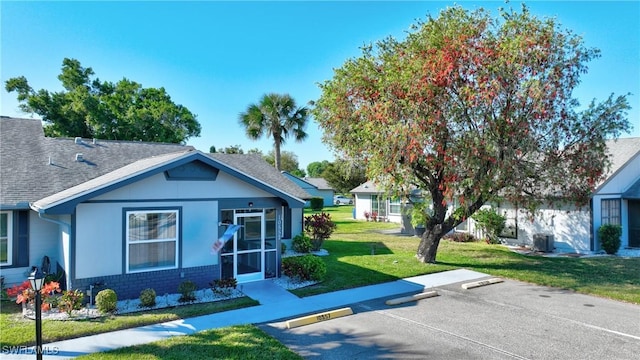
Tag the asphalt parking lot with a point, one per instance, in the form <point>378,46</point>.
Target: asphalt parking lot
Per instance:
<point>508,320</point>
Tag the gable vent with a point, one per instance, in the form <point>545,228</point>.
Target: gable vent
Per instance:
<point>78,140</point>
<point>79,157</point>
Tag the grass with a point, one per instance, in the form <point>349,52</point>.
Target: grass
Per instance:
<point>17,330</point>
<point>235,342</point>
<point>360,253</point>
<point>351,264</point>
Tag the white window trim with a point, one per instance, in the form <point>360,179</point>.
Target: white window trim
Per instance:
<point>9,261</point>
<point>176,239</point>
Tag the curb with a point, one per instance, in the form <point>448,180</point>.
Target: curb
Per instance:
<point>416,297</point>
<point>324,316</point>
<point>476,284</point>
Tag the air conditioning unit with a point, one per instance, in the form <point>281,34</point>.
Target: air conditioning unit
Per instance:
<point>543,242</point>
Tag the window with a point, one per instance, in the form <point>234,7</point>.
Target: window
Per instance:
<point>152,240</point>
<point>394,206</point>
<point>611,211</point>
<point>5,238</point>
<point>378,205</point>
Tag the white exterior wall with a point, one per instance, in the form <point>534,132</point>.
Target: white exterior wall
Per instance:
<point>568,225</point>
<point>362,203</point>
<point>44,239</point>
<point>99,223</point>
<point>157,187</point>
<point>99,235</point>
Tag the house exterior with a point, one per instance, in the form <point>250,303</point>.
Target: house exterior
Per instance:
<point>316,187</point>
<point>563,228</point>
<point>369,199</point>
<point>133,215</point>
<point>574,229</point>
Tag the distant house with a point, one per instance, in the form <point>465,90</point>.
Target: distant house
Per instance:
<point>369,199</point>
<point>557,228</point>
<point>575,230</point>
<point>134,215</point>
<point>316,187</point>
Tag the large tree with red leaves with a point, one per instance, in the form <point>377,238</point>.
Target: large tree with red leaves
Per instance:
<point>472,109</point>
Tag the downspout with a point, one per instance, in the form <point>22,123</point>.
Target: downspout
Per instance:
<point>68,227</point>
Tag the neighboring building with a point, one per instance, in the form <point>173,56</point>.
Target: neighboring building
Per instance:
<point>134,215</point>
<point>316,187</point>
<point>575,230</point>
<point>369,200</point>
<point>564,228</point>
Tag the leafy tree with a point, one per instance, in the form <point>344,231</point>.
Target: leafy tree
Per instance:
<point>255,151</point>
<point>93,109</point>
<point>289,162</point>
<point>344,175</point>
<point>277,117</point>
<point>316,168</point>
<point>471,108</point>
<point>212,149</point>
<point>233,149</point>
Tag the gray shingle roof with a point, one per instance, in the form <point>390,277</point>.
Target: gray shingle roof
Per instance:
<point>319,183</point>
<point>621,151</point>
<point>33,166</point>
<point>44,171</point>
<point>255,166</point>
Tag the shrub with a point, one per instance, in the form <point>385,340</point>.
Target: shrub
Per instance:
<point>107,301</point>
<point>308,267</point>
<point>319,227</point>
<point>301,243</point>
<point>460,237</point>
<point>187,291</point>
<point>610,237</point>
<point>223,287</point>
<point>491,223</point>
<point>71,300</point>
<point>25,294</point>
<point>147,298</point>
<point>316,203</point>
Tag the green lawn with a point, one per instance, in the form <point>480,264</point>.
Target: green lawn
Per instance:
<point>361,253</point>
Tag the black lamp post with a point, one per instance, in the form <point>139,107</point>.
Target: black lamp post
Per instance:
<point>36,278</point>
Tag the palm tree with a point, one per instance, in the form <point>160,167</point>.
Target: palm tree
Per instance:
<point>278,117</point>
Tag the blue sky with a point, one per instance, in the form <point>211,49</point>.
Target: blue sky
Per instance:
<point>216,58</point>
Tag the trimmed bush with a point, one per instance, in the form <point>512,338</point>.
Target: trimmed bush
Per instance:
<point>307,267</point>
<point>491,223</point>
<point>301,243</point>
<point>317,203</point>
<point>319,227</point>
<point>107,301</point>
<point>223,287</point>
<point>147,298</point>
<point>610,238</point>
<point>460,237</point>
<point>71,300</point>
<point>187,291</point>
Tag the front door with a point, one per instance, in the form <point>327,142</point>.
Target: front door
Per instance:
<point>634,223</point>
<point>249,247</point>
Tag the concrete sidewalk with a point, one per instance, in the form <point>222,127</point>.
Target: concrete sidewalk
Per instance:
<point>275,304</point>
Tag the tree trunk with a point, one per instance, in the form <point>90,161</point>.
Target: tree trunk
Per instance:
<point>276,154</point>
<point>429,244</point>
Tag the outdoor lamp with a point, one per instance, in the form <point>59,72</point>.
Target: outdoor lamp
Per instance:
<point>36,278</point>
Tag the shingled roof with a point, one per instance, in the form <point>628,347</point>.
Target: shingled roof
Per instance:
<point>35,168</point>
<point>255,166</point>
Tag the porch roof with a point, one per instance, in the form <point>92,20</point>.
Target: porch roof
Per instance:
<point>633,192</point>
